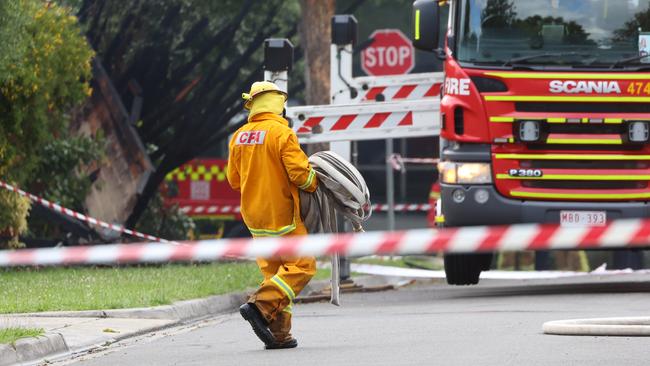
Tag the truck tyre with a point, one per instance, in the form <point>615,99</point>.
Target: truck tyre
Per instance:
<point>486,261</point>
<point>465,269</point>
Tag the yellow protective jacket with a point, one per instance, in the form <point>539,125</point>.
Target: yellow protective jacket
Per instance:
<point>268,167</point>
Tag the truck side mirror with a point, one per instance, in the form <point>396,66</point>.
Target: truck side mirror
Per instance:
<point>426,24</point>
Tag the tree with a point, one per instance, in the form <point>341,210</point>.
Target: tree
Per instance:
<point>192,60</point>
<point>315,28</point>
<point>44,62</point>
<point>498,14</point>
<point>630,30</point>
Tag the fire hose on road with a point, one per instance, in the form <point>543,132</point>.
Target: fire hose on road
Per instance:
<point>623,327</point>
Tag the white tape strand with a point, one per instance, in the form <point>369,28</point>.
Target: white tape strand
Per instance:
<point>422,241</point>
<point>80,216</point>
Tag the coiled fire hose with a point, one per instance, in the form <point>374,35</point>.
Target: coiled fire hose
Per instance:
<point>341,189</point>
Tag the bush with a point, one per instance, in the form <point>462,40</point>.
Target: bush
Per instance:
<point>14,219</point>
<point>44,68</point>
<point>166,222</point>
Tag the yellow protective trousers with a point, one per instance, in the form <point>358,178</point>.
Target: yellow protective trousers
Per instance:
<point>284,278</point>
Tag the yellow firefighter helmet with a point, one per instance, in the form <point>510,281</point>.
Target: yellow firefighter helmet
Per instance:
<point>261,87</point>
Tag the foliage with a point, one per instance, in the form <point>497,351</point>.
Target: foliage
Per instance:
<point>192,60</point>
<point>12,17</point>
<point>13,218</point>
<point>630,29</point>
<point>10,335</point>
<point>44,62</point>
<point>60,157</point>
<point>498,14</point>
<point>167,222</point>
<point>85,288</point>
<point>57,177</point>
<point>42,85</point>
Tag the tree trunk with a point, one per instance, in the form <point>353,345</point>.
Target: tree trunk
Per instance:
<point>315,31</point>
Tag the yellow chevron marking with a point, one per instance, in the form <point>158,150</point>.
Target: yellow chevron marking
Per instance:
<point>580,195</point>
<point>571,157</point>
<point>585,142</point>
<point>578,76</point>
<point>577,177</point>
<point>544,98</point>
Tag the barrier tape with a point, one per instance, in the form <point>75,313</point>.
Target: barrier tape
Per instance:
<point>235,209</point>
<point>403,207</point>
<point>402,92</point>
<point>89,220</point>
<point>397,161</point>
<point>420,160</point>
<point>210,209</point>
<point>616,234</point>
<point>355,121</point>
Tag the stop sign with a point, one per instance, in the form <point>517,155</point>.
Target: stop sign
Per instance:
<point>391,53</point>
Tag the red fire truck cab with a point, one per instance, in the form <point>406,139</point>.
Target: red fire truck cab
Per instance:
<point>545,113</point>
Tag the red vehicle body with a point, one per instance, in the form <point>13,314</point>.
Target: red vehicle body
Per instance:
<point>201,190</point>
<point>545,112</point>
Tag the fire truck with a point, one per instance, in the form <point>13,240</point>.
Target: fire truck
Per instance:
<point>545,113</point>
<point>201,190</point>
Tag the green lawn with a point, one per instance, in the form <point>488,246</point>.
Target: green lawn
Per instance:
<point>11,335</point>
<point>402,262</point>
<point>81,288</point>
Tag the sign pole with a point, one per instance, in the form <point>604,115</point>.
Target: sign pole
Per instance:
<point>390,186</point>
<point>341,92</point>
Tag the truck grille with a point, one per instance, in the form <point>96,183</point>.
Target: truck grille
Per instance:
<point>581,184</point>
<point>567,175</point>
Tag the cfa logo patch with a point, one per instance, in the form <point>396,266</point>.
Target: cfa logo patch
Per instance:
<point>250,138</point>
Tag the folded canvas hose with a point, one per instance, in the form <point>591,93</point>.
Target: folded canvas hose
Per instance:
<point>341,189</point>
<point>622,327</point>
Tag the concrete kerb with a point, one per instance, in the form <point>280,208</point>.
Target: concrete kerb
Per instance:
<point>31,349</point>
<point>53,344</point>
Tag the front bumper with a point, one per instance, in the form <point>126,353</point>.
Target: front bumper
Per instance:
<point>499,210</point>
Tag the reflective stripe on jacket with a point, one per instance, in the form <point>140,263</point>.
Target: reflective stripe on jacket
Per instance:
<point>267,165</point>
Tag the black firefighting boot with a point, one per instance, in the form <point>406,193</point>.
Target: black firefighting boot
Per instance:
<point>281,330</point>
<point>252,315</point>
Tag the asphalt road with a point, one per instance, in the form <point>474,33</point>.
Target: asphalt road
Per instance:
<point>498,323</point>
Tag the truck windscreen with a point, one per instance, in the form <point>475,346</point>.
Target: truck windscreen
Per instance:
<point>547,33</point>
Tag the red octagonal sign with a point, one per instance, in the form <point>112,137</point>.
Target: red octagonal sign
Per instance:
<point>391,53</point>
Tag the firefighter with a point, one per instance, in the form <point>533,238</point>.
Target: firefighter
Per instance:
<point>268,167</point>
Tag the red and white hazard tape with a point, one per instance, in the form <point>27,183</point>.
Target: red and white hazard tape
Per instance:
<point>397,161</point>
<point>82,217</point>
<point>616,234</point>
<point>233,209</point>
<point>211,210</point>
<point>403,207</point>
<point>420,160</point>
<point>402,92</point>
<point>355,121</point>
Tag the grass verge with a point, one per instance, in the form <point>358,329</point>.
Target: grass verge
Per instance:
<point>88,288</point>
<point>12,334</point>
<point>420,262</point>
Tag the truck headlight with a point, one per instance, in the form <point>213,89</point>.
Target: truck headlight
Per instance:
<point>465,173</point>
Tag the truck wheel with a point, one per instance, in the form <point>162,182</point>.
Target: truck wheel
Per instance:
<point>486,261</point>
<point>465,269</point>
